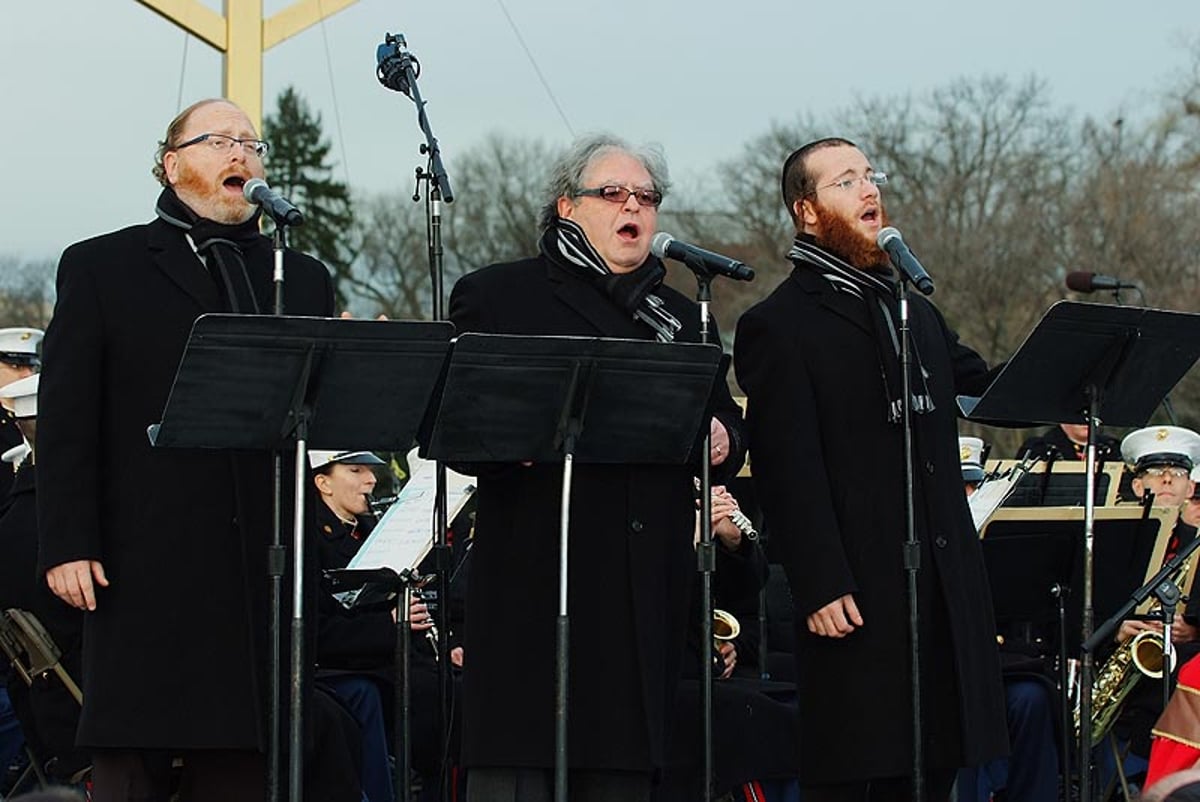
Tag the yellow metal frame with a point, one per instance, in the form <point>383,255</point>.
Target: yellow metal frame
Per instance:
<point>243,35</point>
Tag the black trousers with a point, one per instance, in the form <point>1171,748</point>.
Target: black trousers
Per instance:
<point>208,775</point>
<point>537,785</point>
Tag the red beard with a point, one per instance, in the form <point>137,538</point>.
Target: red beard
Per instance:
<point>197,191</point>
<point>839,237</point>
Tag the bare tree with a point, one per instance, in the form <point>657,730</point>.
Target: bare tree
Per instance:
<point>500,186</point>
<point>391,275</point>
<point>26,291</point>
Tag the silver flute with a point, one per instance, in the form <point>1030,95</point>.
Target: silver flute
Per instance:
<point>742,521</point>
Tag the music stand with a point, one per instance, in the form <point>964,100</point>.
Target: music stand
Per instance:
<point>259,383</point>
<point>1060,484</point>
<point>1103,363</point>
<point>1034,557</point>
<point>566,399</point>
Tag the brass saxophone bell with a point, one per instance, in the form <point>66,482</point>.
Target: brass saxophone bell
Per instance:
<point>725,626</point>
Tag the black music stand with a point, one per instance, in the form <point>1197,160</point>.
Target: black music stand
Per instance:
<point>261,383</point>
<point>1100,363</point>
<point>1034,557</point>
<point>566,399</point>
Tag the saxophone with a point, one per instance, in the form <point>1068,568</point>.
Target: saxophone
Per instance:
<point>1141,656</point>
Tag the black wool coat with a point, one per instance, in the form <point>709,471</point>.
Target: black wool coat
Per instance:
<point>631,559</point>
<point>829,473</point>
<point>175,653</point>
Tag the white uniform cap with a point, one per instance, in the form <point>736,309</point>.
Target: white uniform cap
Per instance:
<point>1161,445</point>
<point>970,455</point>
<point>19,346</point>
<point>319,459</point>
<point>20,397</point>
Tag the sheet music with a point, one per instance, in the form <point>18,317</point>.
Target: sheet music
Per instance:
<point>991,494</point>
<point>404,535</point>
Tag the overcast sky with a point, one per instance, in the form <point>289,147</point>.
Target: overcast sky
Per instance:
<point>89,85</point>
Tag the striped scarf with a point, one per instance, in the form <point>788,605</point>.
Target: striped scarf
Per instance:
<point>222,248</point>
<point>632,292</point>
<point>877,289</point>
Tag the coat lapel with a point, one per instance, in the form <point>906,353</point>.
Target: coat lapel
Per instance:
<point>590,304</point>
<point>172,254</point>
<point>842,304</point>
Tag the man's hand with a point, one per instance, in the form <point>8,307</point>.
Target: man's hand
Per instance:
<point>72,582</point>
<point>728,658</point>
<point>419,618</point>
<point>837,619</point>
<point>724,505</point>
<point>719,442</point>
<point>1133,627</point>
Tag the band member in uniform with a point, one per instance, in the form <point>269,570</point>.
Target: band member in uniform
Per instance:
<point>165,548</point>
<point>631,558</point>
<point>18,359</point>
<point>48,710</point>
<point>1068,442</point>
<point>1160,459</point>
<point>818,361</point>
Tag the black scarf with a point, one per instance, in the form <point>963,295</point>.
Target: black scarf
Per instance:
<point>223,247</point>
<point>633,292</point>
<point>876,287</point>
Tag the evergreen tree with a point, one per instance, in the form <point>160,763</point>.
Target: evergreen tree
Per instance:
<point>298,166</point>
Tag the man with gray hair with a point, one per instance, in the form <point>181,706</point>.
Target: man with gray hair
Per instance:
<point>631,557</point>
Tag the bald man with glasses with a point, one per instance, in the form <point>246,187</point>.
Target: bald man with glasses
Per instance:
<point>165,549</point>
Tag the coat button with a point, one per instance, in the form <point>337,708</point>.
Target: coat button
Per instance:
<point>929,467</point>
<point>636,525</point>
<point>940,542</point>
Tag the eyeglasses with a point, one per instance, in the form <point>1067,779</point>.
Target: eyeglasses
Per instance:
<point>220,143</point>
<point>1179,474</point>
<point>846,184</point>
<point>615,194</point>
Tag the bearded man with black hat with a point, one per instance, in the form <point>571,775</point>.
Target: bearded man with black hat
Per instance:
<point>631,557</point>
<point>165,548</point>
<point>818,361</point>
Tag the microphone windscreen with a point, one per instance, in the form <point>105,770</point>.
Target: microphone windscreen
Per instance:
<point>886,235</point>
<point>251,188</point>
<point>659,244</point>
<point>1080,281</point>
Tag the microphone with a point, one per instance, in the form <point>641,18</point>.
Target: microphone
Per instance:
<point>257,191</point>
<point>1086,281</point>
<point>393,61</point>
<point>665,246</point>
<point>891,243</point>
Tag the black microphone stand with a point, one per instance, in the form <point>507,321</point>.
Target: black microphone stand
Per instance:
<point>276,560</point>
<point>276,566</point>
<point>912,544</point>
<point>398,70</point>
<point>706,557</point>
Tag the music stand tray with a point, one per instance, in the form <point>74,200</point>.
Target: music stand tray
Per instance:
<point>506,399</point>
<point>1139,355</point>
<point>244,380</point>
